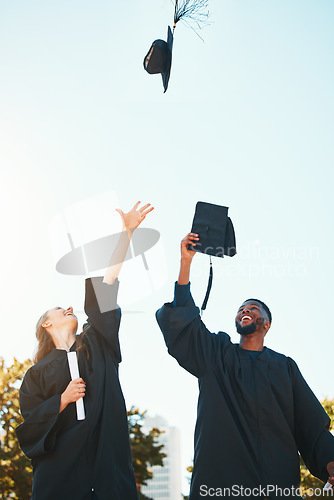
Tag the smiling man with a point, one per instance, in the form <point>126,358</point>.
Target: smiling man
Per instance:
<point>255,410</point>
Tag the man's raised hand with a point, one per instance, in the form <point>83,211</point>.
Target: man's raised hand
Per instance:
<point>190,239</point>
<point>186,257</point>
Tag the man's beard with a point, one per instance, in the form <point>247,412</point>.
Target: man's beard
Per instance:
<point>250,328</point>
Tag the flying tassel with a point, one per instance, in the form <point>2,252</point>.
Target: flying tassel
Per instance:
<point>192,10</point>
<point>159,58</point>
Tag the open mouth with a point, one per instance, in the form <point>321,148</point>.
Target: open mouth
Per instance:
<point>246,317</point>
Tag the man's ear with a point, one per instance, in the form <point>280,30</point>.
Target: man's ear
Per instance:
<point>46,324</point>
<point>267,325</point>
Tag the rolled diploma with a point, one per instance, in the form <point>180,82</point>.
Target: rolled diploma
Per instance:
<point>328,486</point>
<point>74,371</point>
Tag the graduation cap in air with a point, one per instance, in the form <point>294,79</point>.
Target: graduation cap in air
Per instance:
<point>159,57</point>
<point>216,235</point>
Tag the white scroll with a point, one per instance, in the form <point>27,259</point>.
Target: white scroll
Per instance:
<point>74,371</point>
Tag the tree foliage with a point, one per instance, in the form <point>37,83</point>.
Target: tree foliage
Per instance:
<point>15,467</point>
<point>145,450</point>
<point>310,483</point>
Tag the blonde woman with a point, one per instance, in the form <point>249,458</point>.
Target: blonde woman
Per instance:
<point>91,458</point>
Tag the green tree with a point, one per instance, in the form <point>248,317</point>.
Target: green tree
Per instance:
<point>328,404</point>
<point>145,450</point>
<point>308,482</point>
<point>15,467</point>
<point>190,469</point>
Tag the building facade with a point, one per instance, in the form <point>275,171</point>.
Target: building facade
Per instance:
<point>166,481</point>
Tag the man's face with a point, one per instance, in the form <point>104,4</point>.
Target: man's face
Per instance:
<point>250,318</point>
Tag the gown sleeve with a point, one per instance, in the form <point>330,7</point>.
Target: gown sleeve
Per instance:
<point>314,441</point>
<point>37,434</point>
<point>103,313</point>
<point>187,338</point>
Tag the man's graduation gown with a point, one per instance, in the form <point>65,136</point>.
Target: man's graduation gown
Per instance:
<point>71,457</point>
<point>254,414</point>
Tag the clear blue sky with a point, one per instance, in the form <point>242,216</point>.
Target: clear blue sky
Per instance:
<point>247,122</point>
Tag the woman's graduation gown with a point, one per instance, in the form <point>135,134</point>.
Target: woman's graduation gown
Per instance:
<point>71,458</point>
<point>254,414</point>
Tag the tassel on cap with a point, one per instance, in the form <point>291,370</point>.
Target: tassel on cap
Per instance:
<point>192,10</point>
<point>208,290</point>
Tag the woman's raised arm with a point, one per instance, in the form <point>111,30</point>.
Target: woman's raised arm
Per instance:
<point>131,220</point>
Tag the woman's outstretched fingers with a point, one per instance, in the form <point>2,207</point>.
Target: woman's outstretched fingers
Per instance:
<point>144,213</point>
<point>142,209</point>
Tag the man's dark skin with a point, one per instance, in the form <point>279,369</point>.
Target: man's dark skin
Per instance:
<point>249,312</point>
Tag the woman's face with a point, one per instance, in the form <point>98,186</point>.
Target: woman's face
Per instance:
<point>59,318</point>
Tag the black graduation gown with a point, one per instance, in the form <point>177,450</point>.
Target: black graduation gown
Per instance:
<point>72,457</point>
<point>253,415</point>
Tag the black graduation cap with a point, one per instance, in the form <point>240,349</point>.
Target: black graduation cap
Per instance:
<point>216,235</point>
<point>159,57</point>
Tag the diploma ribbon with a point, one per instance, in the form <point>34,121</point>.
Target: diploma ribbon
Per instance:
<point>74,371</point>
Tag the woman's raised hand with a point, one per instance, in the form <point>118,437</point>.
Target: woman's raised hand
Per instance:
<point>134,217</point>
<point>75,390</point>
